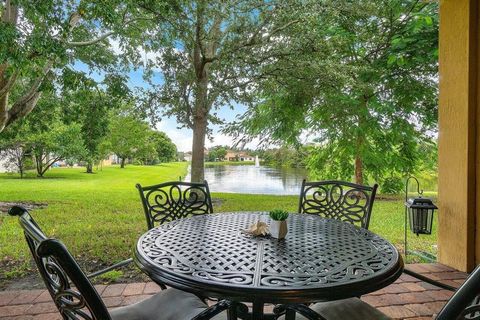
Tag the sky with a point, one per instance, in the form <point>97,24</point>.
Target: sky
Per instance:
<point>181,137</point>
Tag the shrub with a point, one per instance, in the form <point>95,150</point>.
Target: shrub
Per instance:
<point>392,185</point>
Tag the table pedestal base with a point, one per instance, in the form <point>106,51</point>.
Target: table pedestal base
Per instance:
<point>238,310</point>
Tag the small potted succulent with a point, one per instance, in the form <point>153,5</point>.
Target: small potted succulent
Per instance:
<point>278,226</point>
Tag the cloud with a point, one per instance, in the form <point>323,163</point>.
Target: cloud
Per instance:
<point>181,137</point>
<point>219,139</point>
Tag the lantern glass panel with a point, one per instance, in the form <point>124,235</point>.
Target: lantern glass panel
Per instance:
<point>421,220</point>
<point>420,214</point>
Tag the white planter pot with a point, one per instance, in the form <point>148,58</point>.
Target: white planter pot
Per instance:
<point>278,229</point>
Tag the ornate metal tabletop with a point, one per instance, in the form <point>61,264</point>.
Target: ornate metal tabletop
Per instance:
<point>320,259</point>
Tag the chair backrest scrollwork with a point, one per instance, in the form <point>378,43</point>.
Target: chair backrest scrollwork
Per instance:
<point>72,292</point>
<point>340,200</point>
<point>174,200</point>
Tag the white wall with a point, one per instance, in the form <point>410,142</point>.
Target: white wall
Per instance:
<point>2,164</point>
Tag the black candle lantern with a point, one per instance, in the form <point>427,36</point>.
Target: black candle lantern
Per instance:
<point>420,213</point>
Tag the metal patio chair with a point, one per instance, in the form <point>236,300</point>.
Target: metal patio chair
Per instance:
<point>340,200</point>
<point>463,305</point>
<point>76,297</point>
<point>167,201</point>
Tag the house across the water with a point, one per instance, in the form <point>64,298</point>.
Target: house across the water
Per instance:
<point>238,156</point>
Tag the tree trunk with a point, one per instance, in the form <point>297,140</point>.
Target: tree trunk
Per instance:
<point>200,121</point>
<point>89,167</point>
<point>198,146</point>
<point>49,162</point>
<point>360,143</point>
<point>10,16</point>
<point>122,163</point>
<point>21,168</point>
<point>3,110</point>
<point>358,169</point>
<point>200,124</point>
<point>201,63</point>
<point>39,165</point>
<point>20,161</point>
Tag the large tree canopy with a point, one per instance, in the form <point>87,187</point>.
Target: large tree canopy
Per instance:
<point>166,150</point>
<point>129,137</point>
<point>211,54</point>
<point>363,82</point>
<point>43,39</point>
<point>91,105</point>
<point>44,136</point>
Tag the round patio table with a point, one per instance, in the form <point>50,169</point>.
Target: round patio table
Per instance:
<point>319,260</point>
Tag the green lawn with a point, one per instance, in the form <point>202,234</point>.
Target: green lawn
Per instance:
<point>99,216</point>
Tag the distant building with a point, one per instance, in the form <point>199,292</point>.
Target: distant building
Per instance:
<point>188,155</point>
<point>3,165</point>
<point>231,155</point>
<point>238,156</point>
<point>109,160</point>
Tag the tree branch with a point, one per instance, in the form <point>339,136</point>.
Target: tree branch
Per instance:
<point>179,27</point>
<point>23,110</point>
<point>283,27</point>
<point>35,85</point>
<point>102,37</point>
<point>251,40</point>
<point>10,13</point>
<point>186,95</point>
<point>27,102</point>
<point>394,29</point>
<point>49,163</point>
<point>90,42</point>
<point>11,81</point>
<point>214,38</point>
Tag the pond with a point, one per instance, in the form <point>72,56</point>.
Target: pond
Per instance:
<point>254,180</point>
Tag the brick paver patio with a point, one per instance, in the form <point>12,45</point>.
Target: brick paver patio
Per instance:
<point>407,298</point>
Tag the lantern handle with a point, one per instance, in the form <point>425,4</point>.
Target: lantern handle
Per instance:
<point>420,192</point>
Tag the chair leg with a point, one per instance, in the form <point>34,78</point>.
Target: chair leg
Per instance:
<point>290,314</point>
<point>213,310</point>
<point>232,312</point>
<point>292,309</point>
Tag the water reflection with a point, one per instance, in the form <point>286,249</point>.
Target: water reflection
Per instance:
<point>256,180</point>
